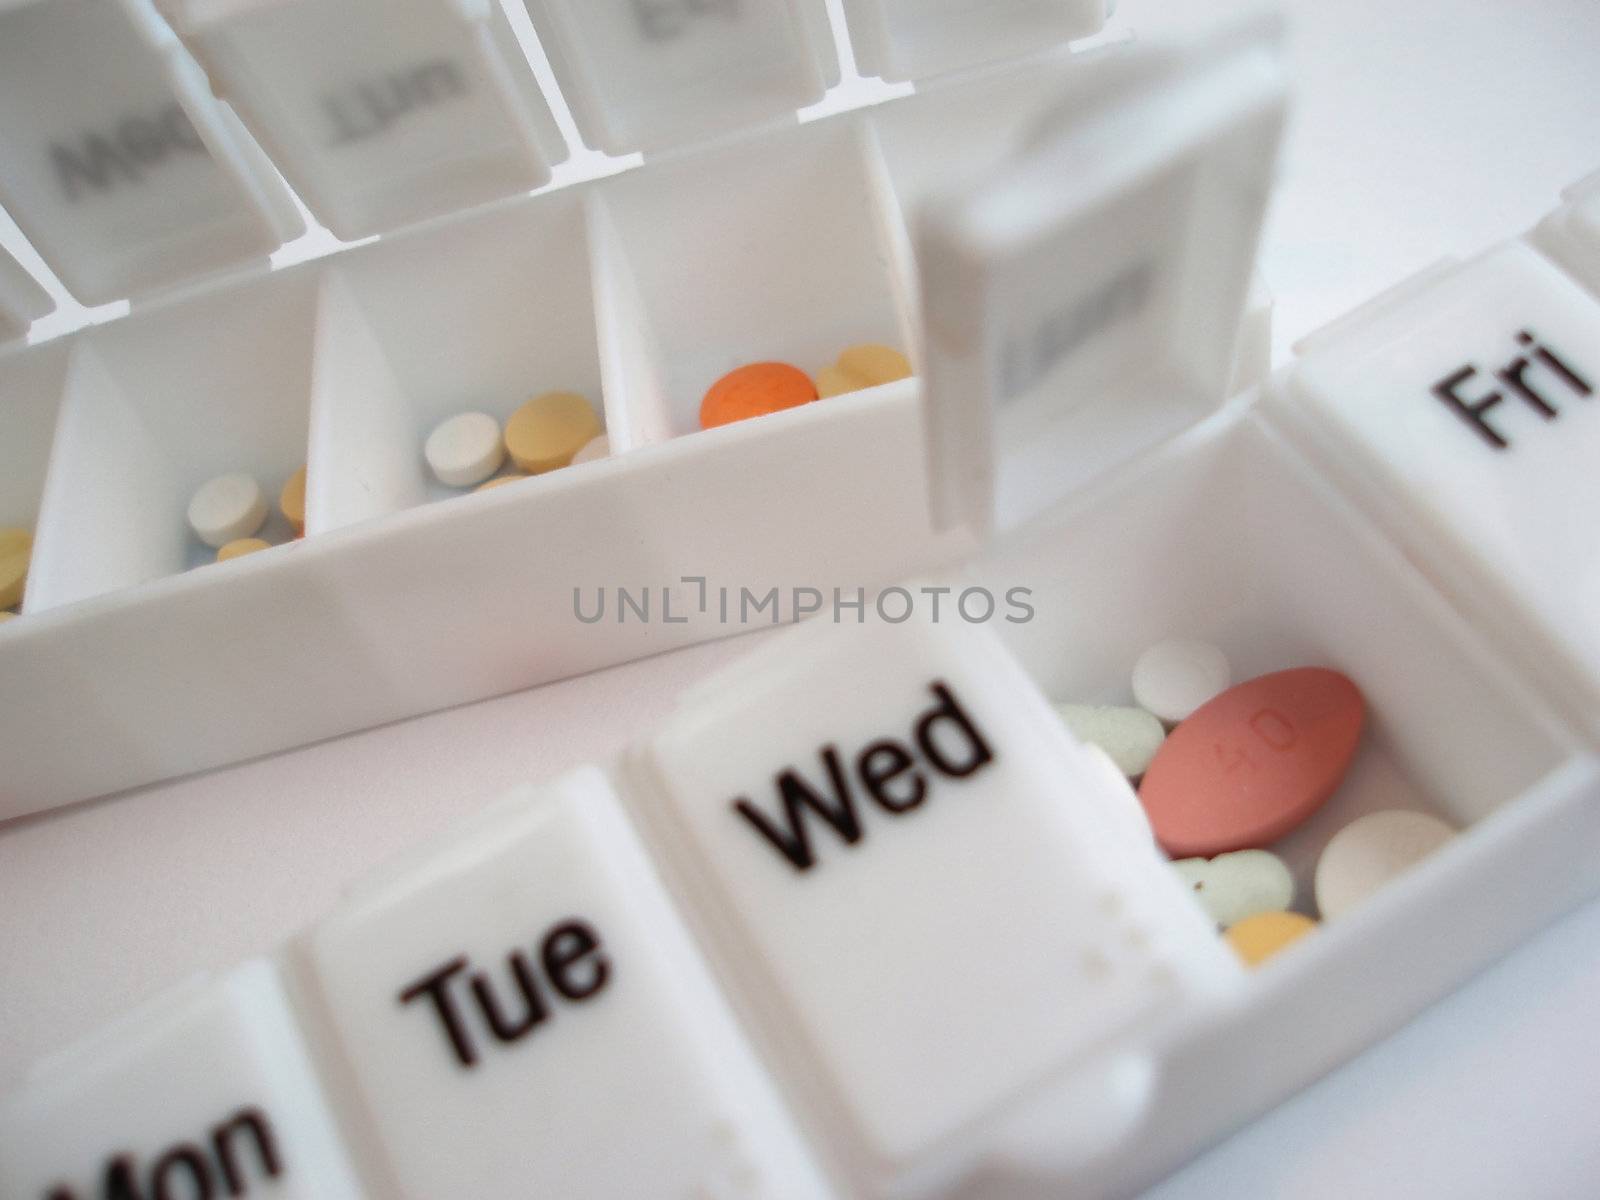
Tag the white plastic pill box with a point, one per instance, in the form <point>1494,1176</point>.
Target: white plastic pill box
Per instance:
<point>1080,335</point>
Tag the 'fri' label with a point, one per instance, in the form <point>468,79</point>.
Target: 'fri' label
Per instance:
<point>1539,378</point>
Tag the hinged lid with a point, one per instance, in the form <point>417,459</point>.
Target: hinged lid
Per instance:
<point>1084,302</point>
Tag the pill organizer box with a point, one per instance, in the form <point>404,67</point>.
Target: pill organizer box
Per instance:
<point>637,290</point>
<point>992,990</point>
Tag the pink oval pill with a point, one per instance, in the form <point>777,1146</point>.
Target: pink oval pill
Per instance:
<point>1251,764</point>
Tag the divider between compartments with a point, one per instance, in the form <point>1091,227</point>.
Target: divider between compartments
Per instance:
<point>31,386</point>
<point>894,232</point>
<point>105,458</point>
<point>361,459</point>
<point>636,413</point>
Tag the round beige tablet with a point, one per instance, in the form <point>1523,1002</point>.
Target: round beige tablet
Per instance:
<point>465,450</point>
<point>597,448</point>
<point>548,430</point>
<point>292,501</point>
<point>1370,851</point>
<point>238,549</point>
<point>227,508</point>
<point>16,548</point>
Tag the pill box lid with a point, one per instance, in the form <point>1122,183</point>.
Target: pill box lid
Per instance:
<point>1084,301</point>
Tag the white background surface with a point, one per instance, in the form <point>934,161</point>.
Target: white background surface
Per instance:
<point>1422,129</point>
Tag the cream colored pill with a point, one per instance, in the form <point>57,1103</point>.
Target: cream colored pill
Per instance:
<point>465,449</point>
<point>1231,887</point>
<point>16,549</point>
<point>1172,679</point>
<point>597,448</point>
<point>548,430</point>
<point>1131,736</point>
<point>227,508</point>
<point>292,501</point>
<point>1369,852</point>
<point>238,549</point>
<point>6,615</point>
<point>1124,808</point>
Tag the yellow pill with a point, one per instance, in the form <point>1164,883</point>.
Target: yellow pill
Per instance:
<point>548,430</point>
<point>292,501</point>
<point>494,483</point>
<point>832,381</point>
<point>6,615</point>
<point>1256,939</point>
<point>875,364</point>
<point>239,547</point>
<point>16,548</point>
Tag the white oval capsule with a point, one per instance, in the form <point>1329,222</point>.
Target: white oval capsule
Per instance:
<point>1173,678</point>
<point>465,449</point>
<point>1369,852</point>
<point>1131,736</point>
<point>227,508</point>
<point>1231,887</point>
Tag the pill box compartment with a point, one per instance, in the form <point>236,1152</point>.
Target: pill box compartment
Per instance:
<point>784,249</point>
<point>154,407</point>
<point>1230,535</point>
<point>476,317</point>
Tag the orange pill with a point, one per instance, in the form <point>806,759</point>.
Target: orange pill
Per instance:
<point>754,391</point>
<point>1250,765</point>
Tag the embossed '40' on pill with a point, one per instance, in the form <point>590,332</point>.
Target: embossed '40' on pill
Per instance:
<point>1255,762</point>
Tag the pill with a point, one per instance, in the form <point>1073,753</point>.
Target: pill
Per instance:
<point>548,430</point>
<point>1131,736</point>
<point>755,391</point>
<point>597,448</point>
<point>241,547</point>
<point>6,615</point>
<point>1173,678</point>
<point>1369,852</point>
<point>494,483</point>
<point>227,508</point>
<point>292,501</point>
<point>1124,808</point>
<point>863,366</point>
<point>1256,939</point>
<point>1231,887</point>
<point>1250,765</point>
<point>16,548</point>
<point>465,449</point>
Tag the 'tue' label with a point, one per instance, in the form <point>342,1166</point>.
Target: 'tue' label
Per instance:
<point>522,1014</point>
<point>907,865</point>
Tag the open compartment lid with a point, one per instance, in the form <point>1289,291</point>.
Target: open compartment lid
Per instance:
<point>1083,303</point>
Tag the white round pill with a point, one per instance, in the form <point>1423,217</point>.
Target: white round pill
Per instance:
<point>1231,887</point>
<point>1131,736</point>
<point>1123,807</point>
<point>464,450</point>
<point>596,448</point>
<point>1172,679</point>
<point>227,508</point>
<point>1369,852</point>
